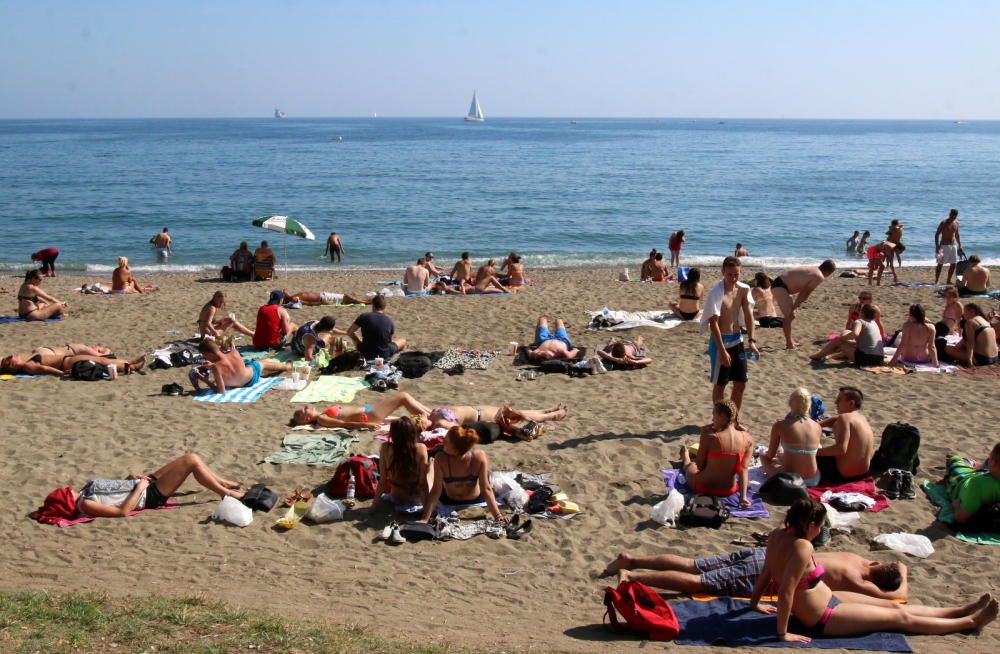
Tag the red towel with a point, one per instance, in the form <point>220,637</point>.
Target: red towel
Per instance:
<point>58,506</point>
<point>865,486</point>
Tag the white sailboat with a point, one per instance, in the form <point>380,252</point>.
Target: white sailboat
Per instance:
<point>475,111</point>
<point>278,113</point>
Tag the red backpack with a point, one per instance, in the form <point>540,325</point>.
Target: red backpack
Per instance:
<point>643,610</point>
<point>365,471</point>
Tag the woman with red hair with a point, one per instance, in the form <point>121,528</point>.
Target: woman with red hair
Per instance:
<point>461,474</point>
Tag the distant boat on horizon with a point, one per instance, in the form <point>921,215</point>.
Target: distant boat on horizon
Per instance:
<point>475,111</point>
<point>278,113</point>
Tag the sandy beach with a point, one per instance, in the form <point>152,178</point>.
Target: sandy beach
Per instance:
<point>541,592</point>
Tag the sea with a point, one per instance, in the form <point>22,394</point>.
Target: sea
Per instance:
<point>561,192</point>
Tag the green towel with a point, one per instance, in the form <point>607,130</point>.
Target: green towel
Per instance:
<point>314,449</point>
<point>939,496</point>
<point>320,359</point>
<point>331,388</point>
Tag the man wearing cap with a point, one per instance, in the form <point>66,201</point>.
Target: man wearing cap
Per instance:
<point>274,325</point>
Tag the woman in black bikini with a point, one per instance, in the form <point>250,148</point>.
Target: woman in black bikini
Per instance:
<point>403,465</point>
<point>692,293</point>
<point>60,360</point>
<point>461,474</point>
<point>35,304</point>
<point>978,346</point>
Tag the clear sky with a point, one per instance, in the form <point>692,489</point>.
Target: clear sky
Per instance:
<point>705,58</point>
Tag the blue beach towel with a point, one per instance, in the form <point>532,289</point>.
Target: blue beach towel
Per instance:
<point>757,509</point>
<point>725,621</point>
<point>6,319</point>
<point>245,395</point>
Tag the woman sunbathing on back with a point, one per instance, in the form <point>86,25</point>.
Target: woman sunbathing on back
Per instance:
<point>724,452</point>
<point>506,417</point>
<point>60,360</point>
<point>358,417</point>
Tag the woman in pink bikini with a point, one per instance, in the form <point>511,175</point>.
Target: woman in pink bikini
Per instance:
<point>807,606</point>
<point>724,452</point>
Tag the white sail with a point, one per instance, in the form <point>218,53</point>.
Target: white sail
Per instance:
<point>475,111</point>
<point>279,114</point>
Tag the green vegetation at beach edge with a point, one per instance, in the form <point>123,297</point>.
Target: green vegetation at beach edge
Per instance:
<point>85,622</point>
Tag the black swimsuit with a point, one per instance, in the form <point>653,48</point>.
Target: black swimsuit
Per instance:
<point>777,282</point>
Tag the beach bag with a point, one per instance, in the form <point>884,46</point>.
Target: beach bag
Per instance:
<point>962,265</point>
<point>487,431</point>
<point>226,274</point>
<point>704,511</point>
<point>89,371</point>
<point>413,364</point>
<point>181,358</point>
<point>344,361</point>
<point>682,274</point>
<point>643,610</point>
<point>232,512</point>
<point>816,408</point>
<point>898,449</point>
<point>554,366</point>
<point>260,498</point>
<point>783,489</point>
<point>323,509</point>
<point>365,471</point>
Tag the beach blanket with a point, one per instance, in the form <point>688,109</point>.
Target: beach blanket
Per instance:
<point>908,367</point>
<point>7,319</point>
<point>757,509</point>
<point>190,345</point>
<point>251,353</point>
<point>331,388</point>
<point>618,320</point>
<point>10,377</point>
<point>864,487</point>
<point>316,449</point>
<point>245,395</point>
<point>937,494</point>
<point>470,359</point>
<point>171,504</point>
<point>726,621</point>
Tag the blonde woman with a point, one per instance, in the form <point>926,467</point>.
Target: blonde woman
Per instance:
<point>122,280</point>
<point>798,436</point>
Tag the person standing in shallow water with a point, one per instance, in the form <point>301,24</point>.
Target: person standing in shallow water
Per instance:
<point>334,247</point>
<point>675,245</point>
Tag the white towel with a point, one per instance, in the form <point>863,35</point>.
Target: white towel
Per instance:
<point>713,305</point>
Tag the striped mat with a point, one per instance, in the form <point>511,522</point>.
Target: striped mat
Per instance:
<point>244,395</point>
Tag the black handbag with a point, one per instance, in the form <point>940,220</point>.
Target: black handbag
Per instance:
<point>784,489</point>
<point>260,498</point>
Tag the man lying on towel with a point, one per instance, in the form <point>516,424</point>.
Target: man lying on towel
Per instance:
<point>971,490</point>
<point>735,574</point>
<point>551,345</point>
<point>224,370</point>
<point>322,298</point>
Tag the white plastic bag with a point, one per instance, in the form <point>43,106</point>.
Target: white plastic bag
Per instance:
<point>505,487</point>
<point>840,520</point>
<point>667,511</point>
<point>623,276</point>
<point>914,544</point>
<point>323,509</point>
<point>233,512</point>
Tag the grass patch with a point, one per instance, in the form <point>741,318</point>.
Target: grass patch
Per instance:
<point>86,622</point>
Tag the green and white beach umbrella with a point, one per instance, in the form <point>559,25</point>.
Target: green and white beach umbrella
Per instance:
<point>285,225</point>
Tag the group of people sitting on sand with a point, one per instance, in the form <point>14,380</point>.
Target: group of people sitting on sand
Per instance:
<point>426,278</point>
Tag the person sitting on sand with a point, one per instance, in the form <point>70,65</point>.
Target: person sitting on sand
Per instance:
<point>35,304</point>
<point>975,279</point>
<point>122,280</point>
<point>515,272</point>
<point>274,325</point>
<point>241,262</point>
<point>486,279</point>
<point>209,325</point>
<point>506,417</point>
<point>461,475</point>
<point>322,298</point>
<point>625,353</point>
<point>117,498</point>
<point>724,453</point>
<point>952,313</point>
<point>359,417</point>
<point>646,269</point>
<point>972,489</point>
<point>848,458</point>
<point>377,330</point>
<point>223,370</point>
<point>416,278</point>
<point>917,340</point>
<point>659,271</point>
<point>403,465</point>
<point>315,335</point>
<point>551,345</point>
<point>736,573</point>
<point>741,251</point>
<point>864,297</point>
<point>764,309</point>
<point>691,293</point>
<point>978,346</point>
<point>790,567</point>
<point>59,360</point>
<point>799,437</point>
<point>861,344</point>
<point>430,265</point>
<point>461,273</point>
<point>800,283</point>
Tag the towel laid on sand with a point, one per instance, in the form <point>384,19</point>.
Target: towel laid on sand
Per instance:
<point>331,388</point>
<point>7,319</point>
<point>864,487</point>
<point>757,508</point>
<point>251,353</point>
<point>245,395</point>
<point>469,359</point>
<point>316,449</point>
<point>726,621</point>
<point>662,319</point>
<point>938,495</point>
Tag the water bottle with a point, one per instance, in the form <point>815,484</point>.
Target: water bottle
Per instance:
<point>351,490</point>
<point>753,356</point>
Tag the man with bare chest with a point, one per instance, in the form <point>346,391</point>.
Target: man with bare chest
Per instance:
<point>728,306</point>
<point>800,283</point>
<point>947,246</point>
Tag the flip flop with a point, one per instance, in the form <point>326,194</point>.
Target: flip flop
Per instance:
<point>516,529</point>
<point>293,516</point>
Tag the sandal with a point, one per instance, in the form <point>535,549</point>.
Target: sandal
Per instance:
<point>297,496</point>
<point>531,430</point>
<point>516,529</point>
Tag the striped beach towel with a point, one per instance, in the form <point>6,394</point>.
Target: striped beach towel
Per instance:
<point>331,388</point>
<point>244,395</point>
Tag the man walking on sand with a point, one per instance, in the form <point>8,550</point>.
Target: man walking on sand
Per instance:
<point>800,282</point>
<point>163,244</point>
<point>947,245</point>
<point>334,247</point>
<point>728,307</point>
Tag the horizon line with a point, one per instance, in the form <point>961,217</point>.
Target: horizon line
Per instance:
<point>504,117</point>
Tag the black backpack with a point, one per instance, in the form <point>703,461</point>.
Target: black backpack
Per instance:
<point>89,371</point>
<point>554,367</point>
<point>413,364</point>
<point>783,489</point>
<point>898,449</point>
<point>350,360</point>
<point>704,511</point>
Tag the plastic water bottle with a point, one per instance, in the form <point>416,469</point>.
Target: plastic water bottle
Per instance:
<point>351,490</point>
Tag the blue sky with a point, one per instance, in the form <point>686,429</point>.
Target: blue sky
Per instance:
<point>842,59</point>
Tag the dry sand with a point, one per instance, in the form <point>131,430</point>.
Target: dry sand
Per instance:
<point>541,592</point>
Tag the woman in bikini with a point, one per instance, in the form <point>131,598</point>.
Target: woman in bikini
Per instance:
<point>952,314</point>
<point>799,436</point>
<point>122,280</point>
<point>791,572</point>
<point>724,452</point>
<point>506,417</point>
<point>461,474</point>
<point>764,309</point>
<point>60,360</point>
<point>916,344</point>
<point>358,417</point>
<point>35,304</point>
<point>978,346</point>
<point>403,465</point>
<point>691,294</point>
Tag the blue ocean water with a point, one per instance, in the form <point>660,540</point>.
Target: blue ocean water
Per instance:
<point>559,191</point>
